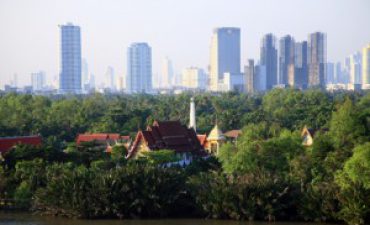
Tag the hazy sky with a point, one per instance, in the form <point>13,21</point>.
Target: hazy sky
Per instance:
<point>179,29</point>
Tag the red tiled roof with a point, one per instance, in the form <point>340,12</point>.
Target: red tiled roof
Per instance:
<point>7,143</point>
<point>100,137</point>
<point>202,139</point>
<point>233,133</point>
<point>167,135</point>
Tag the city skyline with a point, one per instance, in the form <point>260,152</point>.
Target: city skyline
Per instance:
<point>105,38</point>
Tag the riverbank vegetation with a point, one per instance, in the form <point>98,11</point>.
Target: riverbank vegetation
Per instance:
<point>266,174</point>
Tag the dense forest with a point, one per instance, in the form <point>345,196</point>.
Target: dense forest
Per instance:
<point>267,174</point>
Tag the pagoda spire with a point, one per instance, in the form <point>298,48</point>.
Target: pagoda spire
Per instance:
<point>192,122</point>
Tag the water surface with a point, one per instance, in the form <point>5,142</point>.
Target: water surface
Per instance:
<point>29,219</point>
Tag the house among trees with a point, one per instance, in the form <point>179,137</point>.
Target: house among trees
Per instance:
<point>308,134</point>
<point>215,140</point>
<point>233,134</point>
<point>170,135</point>
<point>7,143</point>
<point>103,140</point>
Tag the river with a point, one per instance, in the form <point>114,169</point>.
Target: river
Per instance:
<point>29,219</point>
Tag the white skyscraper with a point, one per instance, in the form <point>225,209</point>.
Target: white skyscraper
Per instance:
<point>194,78</point>
<point>167,73</point>
<point>139,68</point>
<point>38,81</point>
<point>366,67</point>
<point>225,56</point>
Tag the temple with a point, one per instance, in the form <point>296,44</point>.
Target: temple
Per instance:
<point>170,135</point>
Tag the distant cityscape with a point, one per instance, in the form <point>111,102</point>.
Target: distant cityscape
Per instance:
<point>283,63</point>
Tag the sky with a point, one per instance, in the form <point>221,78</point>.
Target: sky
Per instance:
<point>178,29</point>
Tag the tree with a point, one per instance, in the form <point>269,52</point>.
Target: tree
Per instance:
<point>354,182</point>
<point>345,126</point>
<point>160,157</point>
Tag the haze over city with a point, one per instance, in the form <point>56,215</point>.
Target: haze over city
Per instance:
<point>180,30</point>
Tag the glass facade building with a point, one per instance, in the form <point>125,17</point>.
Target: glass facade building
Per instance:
<point>139,68</point>
<point>70,73</point>
<point>269,60</point>
<point>225,55</point>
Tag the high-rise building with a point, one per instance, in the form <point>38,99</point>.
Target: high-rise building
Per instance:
<point>110,79</point>
<point>250,78</point>
<point>260,77</point>
<point>269,59</point>
<point>14,81</point>
<point>355,68</point>
<point>84,73</point>
<point>167,74</point>
<point>316,59</point>
<point>366,67</point>
<point>194,78</point>
<point>70,73</point>
<point>297,71</point>
<point>38,81</point>
<point>139,68</point>
<point>330,73</point>
<point>286,58</point>
<point>225,55</point>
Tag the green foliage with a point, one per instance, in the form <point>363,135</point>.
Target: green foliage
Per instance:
<point>266,174</point>
<point>119,153</point>
<point>357,168</point>
<point>354,183</point>
<point>258,196</point>
<point>23,195</point>
<point>160,157</point>
<point>120,193</point>
<point>345,126</point>
<point>254,153</point>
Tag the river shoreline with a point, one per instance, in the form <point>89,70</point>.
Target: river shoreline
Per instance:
<point>16,217</point>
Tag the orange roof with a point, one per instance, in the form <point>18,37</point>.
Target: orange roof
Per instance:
<point>100,137</point>
<point>6,143</point>
<point>233,133</point>
<point>202,139</point>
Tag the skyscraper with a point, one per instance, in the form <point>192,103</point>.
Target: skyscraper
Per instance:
<point>38,81</point>
<point>110,79</point>
<point>298,76</point>
<point>70,73</point>
<point>139,68</point>
<point>194,78</point>
<point>316,59</point>
<point>225,55</point>
<point>330,73</point>
<point>84,73</point>
<point>166,80</point>
<point>355,68</point>
<point>286,58</point>
<point>269,59</point>
<point>339,79</point>
<point>250,78</point>
<point>366,67</point>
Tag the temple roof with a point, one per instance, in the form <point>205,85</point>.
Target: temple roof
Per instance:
<point>216,134</point>
<point>170,135</point>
